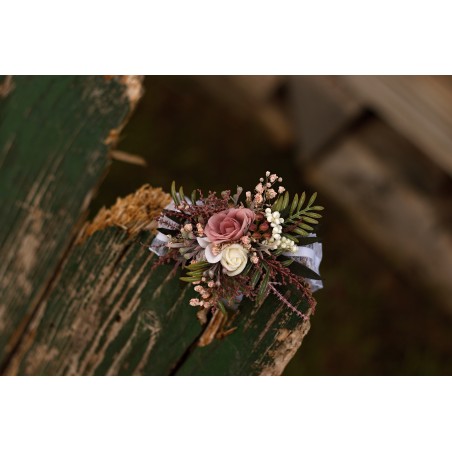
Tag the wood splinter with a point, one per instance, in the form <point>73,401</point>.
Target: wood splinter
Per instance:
<point>216,329</point>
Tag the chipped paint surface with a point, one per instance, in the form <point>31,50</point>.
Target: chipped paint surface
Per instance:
<point>44,194</point>
<point>27,255</point>
<point>111,317</point>
<point>266,338</point>
<point>151,324</point>
<point>133,91</point>
<point>134,88</point>
<point>97,307</point>
<point>287,342</point>
<point>110,314</point>
<point>106,333</point>
<point>49,352</point>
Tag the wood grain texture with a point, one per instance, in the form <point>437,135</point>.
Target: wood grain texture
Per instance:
<point>54,136</point>
<point>109,313</point>
<point>96,306</point>
<point>266,339</point>
<point>420,107</point>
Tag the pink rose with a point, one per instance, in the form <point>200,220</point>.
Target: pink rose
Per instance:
<point>228,225</point>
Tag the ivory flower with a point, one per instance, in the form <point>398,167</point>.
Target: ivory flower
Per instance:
<point>234,259</point>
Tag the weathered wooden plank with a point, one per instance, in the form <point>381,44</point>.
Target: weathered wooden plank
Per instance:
<point>394,196</point>
<point>266,339</point>
<point>420,107</point>
<point>109,312</point>
<point>54,137</point>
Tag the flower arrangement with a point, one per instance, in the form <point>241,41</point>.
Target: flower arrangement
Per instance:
<point>232,249</point>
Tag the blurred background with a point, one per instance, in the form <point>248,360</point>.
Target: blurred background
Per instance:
<point>378,150</point>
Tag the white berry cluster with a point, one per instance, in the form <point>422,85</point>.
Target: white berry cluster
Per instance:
<point>289,245</point>
<point>276,241</point>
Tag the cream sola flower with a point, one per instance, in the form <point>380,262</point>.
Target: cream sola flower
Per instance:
<point>234,259</point>
<point>231,248</point>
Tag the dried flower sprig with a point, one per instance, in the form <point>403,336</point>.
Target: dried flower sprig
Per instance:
<point>232,249</point>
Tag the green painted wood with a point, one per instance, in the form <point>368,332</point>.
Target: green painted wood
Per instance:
<point>98,307</point>
<point>266,339</point>
<point>53,152</point>
<point>109,313</point>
